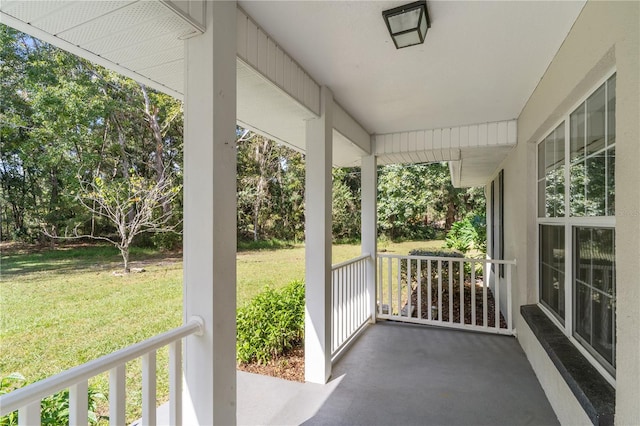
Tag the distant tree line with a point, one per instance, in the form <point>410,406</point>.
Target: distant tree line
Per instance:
<point>70,129</point>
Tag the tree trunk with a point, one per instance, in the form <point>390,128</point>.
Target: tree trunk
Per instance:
<point>124,252</point>
<point>451,215</point>
<point>151,113</point>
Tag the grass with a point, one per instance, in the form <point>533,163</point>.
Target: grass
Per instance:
<point>60,308</point>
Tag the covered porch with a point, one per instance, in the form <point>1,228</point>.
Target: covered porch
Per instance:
<point>343,101</point>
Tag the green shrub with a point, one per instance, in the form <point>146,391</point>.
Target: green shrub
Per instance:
<point>271,323</point>
<point>468,234</point>
<point>54,409</point>
<point>434,264</point>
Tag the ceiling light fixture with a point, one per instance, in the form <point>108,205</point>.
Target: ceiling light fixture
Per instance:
<point>407,24</point>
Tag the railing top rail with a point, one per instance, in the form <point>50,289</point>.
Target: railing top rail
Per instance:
<point>455,259</point>
<point>350,261</point>
<point>43,388</point>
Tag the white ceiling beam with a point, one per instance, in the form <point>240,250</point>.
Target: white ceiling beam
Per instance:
<point>351,129</point>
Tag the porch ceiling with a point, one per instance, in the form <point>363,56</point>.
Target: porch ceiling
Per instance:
<point>479,64</point>
<point>480,61</point>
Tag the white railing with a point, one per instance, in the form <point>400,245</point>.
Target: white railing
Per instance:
<point>445,291</point>
<point>349,301</point>
<point>27,400</point>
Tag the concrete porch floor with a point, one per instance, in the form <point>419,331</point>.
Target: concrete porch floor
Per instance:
<point>400,374</point>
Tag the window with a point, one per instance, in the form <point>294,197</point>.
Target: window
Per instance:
<point>576,223</point>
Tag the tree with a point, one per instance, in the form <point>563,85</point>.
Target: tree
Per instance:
<point>133,206</point>
<point>61,114</point>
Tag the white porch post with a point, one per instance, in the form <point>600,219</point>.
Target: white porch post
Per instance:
<point>317,337</point>
<point>210,219</point>
<point>369,224</point>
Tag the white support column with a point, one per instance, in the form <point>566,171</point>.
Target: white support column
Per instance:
<point>369,224</point>
<point>317,340</point>
<point>209,396</point>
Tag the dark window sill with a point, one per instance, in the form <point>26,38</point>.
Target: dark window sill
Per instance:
<point>595,394</point>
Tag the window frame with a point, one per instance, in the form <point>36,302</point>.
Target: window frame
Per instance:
<point>570,223</point>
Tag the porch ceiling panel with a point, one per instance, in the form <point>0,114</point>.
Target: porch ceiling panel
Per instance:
<point>473,151</point>
<point>476,166</point>
<point>268,110</point>
<point>140,39</point>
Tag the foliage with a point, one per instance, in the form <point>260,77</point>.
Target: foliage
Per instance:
<point>63,116</point>
<point>271,323</point>
<point>436,253</point>
<point>54,409</point>
<point>346,204</point>
<point>468,234</point>
<point>416,201</point>
<point>424,270</point>
<point>270,181</point>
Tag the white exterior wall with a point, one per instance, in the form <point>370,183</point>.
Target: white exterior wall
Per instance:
<point>605,36</point>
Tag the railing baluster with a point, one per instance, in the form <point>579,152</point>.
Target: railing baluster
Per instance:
<point>439,290</point>
<point>429,301</point>
<point>334,307</point>
<point>149,389</point>
<point>349,285</point>
<point>354,295</point>
<point>509,305</point>
<point>450,291</point>
<point>389,265</point>
<point>409,288</point>
<point>175,383</point>
<point>79,403</point>
<point>419,288</point>
<point>496,297</point>
<point>345,306</point>
<point>462,301</point>
<point>361,297</point>
<point>399,301</point>
<point>473,293</point>
<point>485,291</point>
<point>117,395</point>
<point>379,298</point>
<point>29,415</point>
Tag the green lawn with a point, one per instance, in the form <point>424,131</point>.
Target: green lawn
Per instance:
<point>60,308</point>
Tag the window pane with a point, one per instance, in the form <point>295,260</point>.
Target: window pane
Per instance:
<point>595,121</point>
<point>611,182</point>
<point>594,270</point>
<point>611,111</point>
<point>559,157</point>
<point>577,176</point>
<point>553,152</point>
<point>595,203</point>
<point>552,267</point>
<point>577,133</point>
<point>583,312</point>
<point>611,139</point>
<point>541,159</point>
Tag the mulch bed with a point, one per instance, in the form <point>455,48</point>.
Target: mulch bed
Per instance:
<point>456,303</point>
<point>289,366</point>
